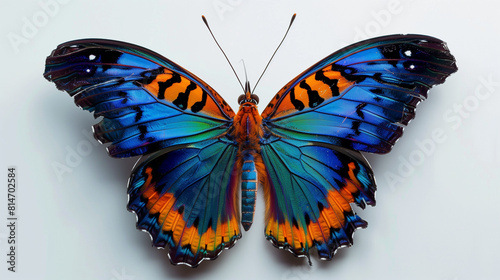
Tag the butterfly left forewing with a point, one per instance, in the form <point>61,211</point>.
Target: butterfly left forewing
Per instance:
<point>147,102</point>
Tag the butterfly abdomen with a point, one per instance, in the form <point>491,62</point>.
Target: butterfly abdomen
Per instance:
<point>249,181</point>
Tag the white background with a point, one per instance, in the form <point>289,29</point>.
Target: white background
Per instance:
<point>437,218</point>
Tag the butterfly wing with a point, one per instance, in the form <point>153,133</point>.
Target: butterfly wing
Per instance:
<point>311,186</point>
<point>186,199</point>
<point>362,96</point>
<point>147,101</point>
<point>357,99</point>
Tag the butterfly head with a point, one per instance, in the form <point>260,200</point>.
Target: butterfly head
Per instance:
<point>248,97</point>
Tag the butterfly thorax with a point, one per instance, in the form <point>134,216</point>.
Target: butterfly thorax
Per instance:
<point>247,127</point>
<point>247,122</point>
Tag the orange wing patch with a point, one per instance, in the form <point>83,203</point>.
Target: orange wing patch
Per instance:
<point>308,93</point>
<point>185,94</point>
<point>331,218</point>
<point>202,245</point>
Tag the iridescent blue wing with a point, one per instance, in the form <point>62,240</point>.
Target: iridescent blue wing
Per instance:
<point>147,102</point>
<point>186,198</point>
<point>362,96</point>
<point>308,194</point>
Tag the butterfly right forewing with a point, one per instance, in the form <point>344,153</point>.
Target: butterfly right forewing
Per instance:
<point>361,97</point>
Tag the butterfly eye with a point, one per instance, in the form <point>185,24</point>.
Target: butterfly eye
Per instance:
<point>241,99</point>
<point>256,98</point>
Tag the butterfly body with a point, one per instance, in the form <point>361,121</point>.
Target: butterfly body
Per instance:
<point>202,163</point>
<point>247,130</point>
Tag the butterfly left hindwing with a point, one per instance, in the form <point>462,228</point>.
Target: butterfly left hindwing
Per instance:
<point>186,199</point>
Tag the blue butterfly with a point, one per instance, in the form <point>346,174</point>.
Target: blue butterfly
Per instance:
<point>202,163</point>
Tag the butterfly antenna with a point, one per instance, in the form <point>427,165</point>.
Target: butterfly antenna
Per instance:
<point>245,68</point>
<point>291,22</point>
<point>247,83</point>
<point>206,23</point>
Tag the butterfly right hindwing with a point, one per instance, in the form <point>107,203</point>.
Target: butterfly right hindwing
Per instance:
<point>311,186</point>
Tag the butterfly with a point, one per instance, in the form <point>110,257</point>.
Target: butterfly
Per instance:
<point>195,185</point>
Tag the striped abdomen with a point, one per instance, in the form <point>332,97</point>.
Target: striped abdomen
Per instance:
<point>249,181</point>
